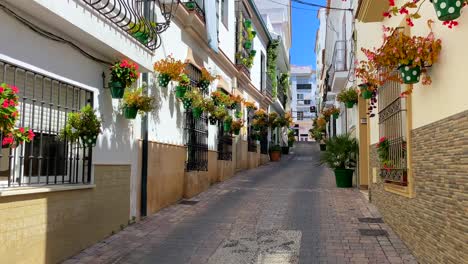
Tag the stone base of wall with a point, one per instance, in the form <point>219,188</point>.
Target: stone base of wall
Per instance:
<point>253,159</point>
<point>434,223</point>
<point>225,169</point>
<point>49,227</point>
<point>195,182</point>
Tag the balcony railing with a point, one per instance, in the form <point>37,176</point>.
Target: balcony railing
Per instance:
<point>339,60</point>
<point>282,97</point>
<point>137,18</point>
<point>196,5</point>
<point>268,88</point>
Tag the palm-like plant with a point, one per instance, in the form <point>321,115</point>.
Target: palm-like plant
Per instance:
<point>341,151</point>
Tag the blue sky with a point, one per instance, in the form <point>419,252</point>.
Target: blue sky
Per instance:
<point>304,26</point>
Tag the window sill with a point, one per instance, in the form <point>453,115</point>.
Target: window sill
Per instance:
<point>397,189</point>
<point>44,189</point>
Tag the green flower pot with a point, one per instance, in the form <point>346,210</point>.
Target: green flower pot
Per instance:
<point>204,85</point>
<point>365,92</point>
<point>227,126</point>
<point>254,33</point>
<point>212,120</point>
<point>447,10</point>
<point>349,104</point>
<point>130,112</point>
<point>180,91</point>
<point>197,112</point>
<point>247,23</point>
<point>142,37</point>
<point>253,53</point>
<point>88,141</point>
<point>248,44</point>
<point>238,114</point>
<point>190,5</point>
<point>117,90</point>
<point>163,80</point>
<point>323,147</point>
<point>336,115</point>
<point>236,131</point>
<point>344,178</point>
<point>410,74</point>
<point>187,103</point>
<point>285,150</point>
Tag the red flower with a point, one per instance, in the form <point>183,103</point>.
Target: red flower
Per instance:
<point>1,89</point>
<point>409,22</point>
<point>404,11</point>
<point>31,134</point>
<point>382,139</point>
<point>21,129</point>
<point>387,14</point>
<point>391,2</point>
<point>5,104</point>
<point>8,140</point>
<point>14,89</point>
<point>14,114</point>
<point>12,102</point>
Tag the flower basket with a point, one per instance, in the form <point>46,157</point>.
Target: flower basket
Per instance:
<point>197,112</point>
<point>163,80</point>
<point>213,120</point>
<point>349,104</point>
<point>447,10</point>
<point>336,115</point>
<point>180,91</point>
<point>238,114</point>
<point>88,141</point>
<point>204,85</point>
<point>142,37</point>
<point>227,126</point>
<point>130,112</point>
<point>410,74</point>
<point>253,53</point>
<point>117,90</point>
<point>247,23</point>
<point>248,44</point>
<point>236,131</point>
<point>365,92</point>
<point>187,103</point>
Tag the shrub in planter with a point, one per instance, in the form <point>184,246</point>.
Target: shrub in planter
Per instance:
<point>205,80</point>
<point>340,153</point>
<point>169,69</point>
<point>236,126</point>
<point>275,153</point>
<point>83,125</point>
<point>134,101</point>
<point>123,74</point>
<point>348,96</point>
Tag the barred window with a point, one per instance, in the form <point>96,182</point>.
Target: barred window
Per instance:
<point>264,141</point>
<point>393,127</point>
<point>196,131</point>
<point>252,134</point>
<point>44,104</point>
<point>224,143</point>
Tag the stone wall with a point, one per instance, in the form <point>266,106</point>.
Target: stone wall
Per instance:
<point>434,224</point>
<point>49,227</point>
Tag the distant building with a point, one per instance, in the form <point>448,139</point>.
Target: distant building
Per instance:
<point>303,104</point>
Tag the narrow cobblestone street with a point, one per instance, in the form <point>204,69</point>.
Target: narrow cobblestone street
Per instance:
<point>286,212</point>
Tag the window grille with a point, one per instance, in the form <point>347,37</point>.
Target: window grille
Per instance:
<point>252,134</point>
<point>300,115</point>
<point>264,141</point>
<point>392,125</point>
<point>44,104</point>
<point>196,131</point>
<point>224,143</point>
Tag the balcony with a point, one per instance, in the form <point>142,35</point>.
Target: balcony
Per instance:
<point>197,6</point>
<point>338,73</point>
<point>269,88</point>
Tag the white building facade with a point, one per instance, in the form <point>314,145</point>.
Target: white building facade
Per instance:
<point>303,105</point>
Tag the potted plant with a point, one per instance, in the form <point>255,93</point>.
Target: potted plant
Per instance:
<point>340,154</point>
<point>227,123</point>
<point>236,126</point>
<point>205,79</point>
<point>169,69</point>
<point>275,153</point>
<point>221,98</point>
<point>250,106</point>
<point>123,74</point>
<point>260,120</point>
<point>197,102</point>
<point>83,125</point>
<point>332,111</point>
<point>348,96</point>
<point>247,23</point>
<point>183,86</point>
<point>236,101</point>
<point>142,30</point>
<point>219,113</point>
<point>291,138</point>
<point>273,120</point>
<point>134,101</point>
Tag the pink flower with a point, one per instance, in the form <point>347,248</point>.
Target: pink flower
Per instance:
<point>404,11</point>
<point>409,22</point>
<point>12,102</point>
<point>387,14</point>
<point>391,2</point>
<point>21,129</point>
<point>8,140</point>
<point>31,134</point>
<point>382,139</point>
<point>1,89</point>
<point>14,89</point>
<point>5,104</point>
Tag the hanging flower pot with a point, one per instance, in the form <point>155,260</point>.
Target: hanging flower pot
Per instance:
<point>238,114</point>
<point>180,91</point>
<point>142,37</point>
<point>247,23</point>
<point>227,126</point>
<point>236,131</point>
<point>88,141</point>
<point>410,74</point>
<point>349,104</point>
<point>204,85</point>
<point>117,90</point>
<point>248,44</point>
<point>447,10</point>
<point>187,103</point>
<point>336,115</point>
<point>197,112</point>
<point>253,53</point>
<point>365,92</point>
<point>130,112</point>
<point>163,80</point>
<point>254,33</point>
<point>212,120</point>
<point>190,5</point>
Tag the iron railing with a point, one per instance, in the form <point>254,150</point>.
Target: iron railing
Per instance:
<point>269,87</point>
<point>392,126</point>
<point>44,104</point>
<point>196,5</point>
<point>224,143</point>
<point>282,97</point>
<point>264,141</point>
<point>252,134</point>
<point>196,131</point>
<point>339,60</point>
<point>138,18</point>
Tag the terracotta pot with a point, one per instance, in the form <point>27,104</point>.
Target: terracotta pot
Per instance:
<point>275,155</point>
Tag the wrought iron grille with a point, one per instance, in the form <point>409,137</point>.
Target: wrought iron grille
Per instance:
<point>264,141</point>
<point>224,143</point>
<point>252,134</point>
<point>196,131</point>
<point>197,6</point>
<point>138,17</point>
<point>392,126</point>
<point>44,104</point>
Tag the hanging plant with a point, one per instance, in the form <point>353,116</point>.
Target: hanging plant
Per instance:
<point>205,79</point>
<point>227,123</point>
<point>272,56</point>
<point>183,86</point>
<point>197,101</point>
<point>169,69</point>
<point>348,96</point>
<point>284,82</point>
<point>260,120</point>
<point>250,105</point>
<point>235,101</point>
<point>142,30</point>
<point>331,111</point>
<point>220,112</point>
<point>123,74</point>
<point>83,125</point>
<point>221,98</point>
<point>12,136</point>
<point>236,126</point>
<point>134,101</point>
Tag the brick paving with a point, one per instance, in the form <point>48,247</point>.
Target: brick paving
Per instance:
<point>286,212</point>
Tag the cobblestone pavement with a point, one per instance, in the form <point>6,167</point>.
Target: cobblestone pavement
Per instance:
<point>286,212</point>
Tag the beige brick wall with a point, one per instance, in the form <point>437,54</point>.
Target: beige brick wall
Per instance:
<point>49,227</point>
<point>434,224</point>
